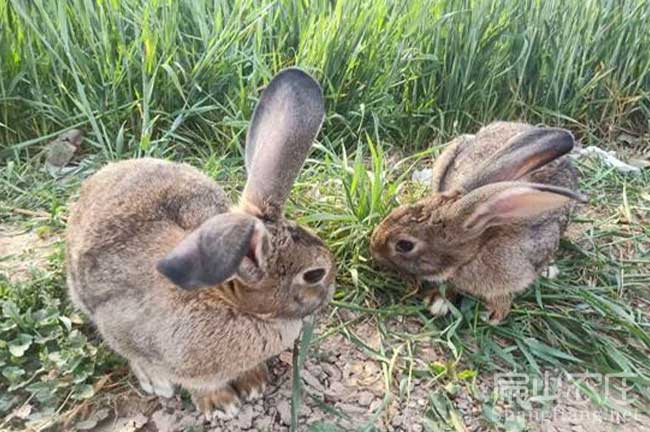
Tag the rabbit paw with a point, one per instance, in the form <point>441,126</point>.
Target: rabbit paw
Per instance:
<point>496,311</point>
<point>152,384</point>
<point>486,317</point>
<point>439,307</point>
<point>440,301</point>
<point>494,316</point>
<point>551,272</point>
<point>222,403</point>
<point>251,384</point>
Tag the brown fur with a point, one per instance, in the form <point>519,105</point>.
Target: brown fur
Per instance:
<point>506,252</point>
<point>212,340</point>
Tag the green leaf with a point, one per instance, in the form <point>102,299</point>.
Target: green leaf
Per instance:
<point>466,374</point>
<point>11,311</point>
<point>13,373</point>
<point>323,427</point>
<point>514,424</point>
<point>66,322</point>
<point>20,345</point>
<point>76,339</point>
<point>83,391</point>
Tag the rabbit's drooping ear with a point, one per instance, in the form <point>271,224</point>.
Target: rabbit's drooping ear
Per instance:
<point>212,253</point>
<point>522,154</point>
<point>508,202</point>
<point>284,125</point>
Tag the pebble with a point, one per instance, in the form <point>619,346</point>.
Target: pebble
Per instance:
<point>374,406</point>
<point>351,409</point>
<point>316,370</point>
<point>332,371</point>
<point>284,409</point>
<point>336,391</point>
<point>312,381</point>
<point>164,422</point>
<point>365,398</point>
<point>245,417</point>
<point>263,423</point>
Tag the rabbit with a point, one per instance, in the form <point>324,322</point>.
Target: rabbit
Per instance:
<point>191,290</point>
<point>501,200</point>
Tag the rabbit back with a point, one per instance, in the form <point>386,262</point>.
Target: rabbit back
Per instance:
<point>116,233</point>
<point>473,150</point>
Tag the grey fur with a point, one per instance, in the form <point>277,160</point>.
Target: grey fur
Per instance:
<point>135,216</point>
<point>501,201</point>
<point>285,123</point>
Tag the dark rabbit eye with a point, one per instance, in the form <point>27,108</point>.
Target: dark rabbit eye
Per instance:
<point>404,246</point>
<point>314,276</point>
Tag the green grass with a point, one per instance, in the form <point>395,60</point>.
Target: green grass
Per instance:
<point>593,318</point>
<point>169,77</point>
<point>180,80</point>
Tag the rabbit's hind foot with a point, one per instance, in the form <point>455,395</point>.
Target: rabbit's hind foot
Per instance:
<point>251,384</point>
<point>220,403</point>
<point>151,382</point>
<point>497,309</point>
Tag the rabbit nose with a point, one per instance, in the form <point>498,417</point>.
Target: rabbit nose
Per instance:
<point>313,297</point>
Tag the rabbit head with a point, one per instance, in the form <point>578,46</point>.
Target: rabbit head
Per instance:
<point>433,238</point>
<point>260,262</point>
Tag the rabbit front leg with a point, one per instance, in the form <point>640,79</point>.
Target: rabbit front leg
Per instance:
<point>222,402</point>
<point>497,308</point>
<point>251,384</point>
<point>440,300</point>
<point>151,381</point>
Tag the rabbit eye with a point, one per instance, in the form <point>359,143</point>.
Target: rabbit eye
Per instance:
<point>313,276</point>
<point>404,246</point>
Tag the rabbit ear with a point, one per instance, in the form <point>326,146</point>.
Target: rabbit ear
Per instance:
<point>446,159</point>
<point>284,125</point>
<point>509,202</point>
<point>212,253</point>
<point>523,153</point>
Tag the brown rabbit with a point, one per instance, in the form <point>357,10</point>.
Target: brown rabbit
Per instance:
<point>500,202</point>
<point>191,290</point>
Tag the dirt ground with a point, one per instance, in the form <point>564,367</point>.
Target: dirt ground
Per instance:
<point>339,377</point>
<point>342,384</point>
<point>22,250</point>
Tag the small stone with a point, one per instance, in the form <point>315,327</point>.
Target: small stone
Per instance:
<point>263,423</point>
<point>286,357</point>
<point>365,398</point>
<point>284,409</point>
<point>312,381</point>
<point>336,390</point>
<point>139,420</point>
<point>245,417</point>
<point>305,411</point>
<point>164,422</point>
<point>351,409</point>
<point>332,371</point>
<point>374,406</point>
<point>316,370</point>
<point>397,420</point>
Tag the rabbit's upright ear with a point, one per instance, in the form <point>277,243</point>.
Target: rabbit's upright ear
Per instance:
<point>213,252</point>
<point>522,154</point>
<point>284,125</point>
<point>446,159</point>
<point>509,202</point>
